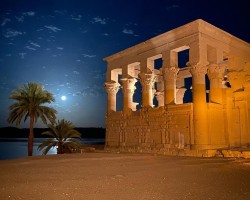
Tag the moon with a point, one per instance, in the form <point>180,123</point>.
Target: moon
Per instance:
<point>63,98</point>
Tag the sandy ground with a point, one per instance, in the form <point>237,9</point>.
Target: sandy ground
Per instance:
<point>107,176</point>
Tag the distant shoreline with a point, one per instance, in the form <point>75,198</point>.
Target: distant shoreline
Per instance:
<point>13,132</point>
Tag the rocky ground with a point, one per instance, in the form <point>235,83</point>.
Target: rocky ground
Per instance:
<point>113,176</point>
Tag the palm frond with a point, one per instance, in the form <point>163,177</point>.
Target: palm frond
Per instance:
<point>72,145</point>
<point>50,133</point>
<point>29,98</point>
<point>63,133</point>
<point>47,145</point>
<point>46,150</point>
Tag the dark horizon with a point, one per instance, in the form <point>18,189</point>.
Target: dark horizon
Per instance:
<point>14,132</point>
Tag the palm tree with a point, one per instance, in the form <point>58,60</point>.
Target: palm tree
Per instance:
<point>29,103</point>
<point>64,136</point>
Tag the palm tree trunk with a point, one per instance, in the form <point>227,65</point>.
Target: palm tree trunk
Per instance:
<point>31,136</point>
<point>60,148</point>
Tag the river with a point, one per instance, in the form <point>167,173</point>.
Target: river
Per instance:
<point>11,148</point>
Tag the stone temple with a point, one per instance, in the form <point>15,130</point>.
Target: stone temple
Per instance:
<point>197,61</point>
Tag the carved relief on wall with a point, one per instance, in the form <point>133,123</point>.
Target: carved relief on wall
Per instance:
<point>216,71</point>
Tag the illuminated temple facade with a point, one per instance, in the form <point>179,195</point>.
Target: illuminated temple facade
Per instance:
<point>215,77</point>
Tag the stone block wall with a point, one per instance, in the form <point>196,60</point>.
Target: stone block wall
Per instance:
<point>169,127</point>
<point>172,127</point>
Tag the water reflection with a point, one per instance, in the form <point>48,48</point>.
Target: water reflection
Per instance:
<point>18,147</point>
<point>12,148</point>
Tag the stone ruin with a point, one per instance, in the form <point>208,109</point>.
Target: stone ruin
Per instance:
<point>218,66</point>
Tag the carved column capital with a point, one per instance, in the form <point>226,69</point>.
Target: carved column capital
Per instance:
<point>170,73</point>
<point>128,85</point>
<point>216,71</point>
<point>112,87</point>
<point>147,79</point>
<point>198,70</point>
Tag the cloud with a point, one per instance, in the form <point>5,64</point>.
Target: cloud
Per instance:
<point>99,76</point>
<point>10,33</point>
<point>30,48</point>
<point>20,19</point>
<point>98,20</point>
<point>76,72</point>
<point>76,18</point>
<point>61,12</point>
<point>22,55</point>
<point>59,48</point>
<point>56,55</point>
<point>105,34</point>
<point>34,44</point>
<point>128,31</point>
<point>5,21</point>
<point>131,24</point>
<point>8,55</point>
<point>48,40</point>
<point>84,31</point>
<point>3,86</point>
<point>30,13</point>
<point>53,28</point>
<point>88,56</point>
<point>94,90</point>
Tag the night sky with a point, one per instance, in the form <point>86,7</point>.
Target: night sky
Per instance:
<point>61,44</point>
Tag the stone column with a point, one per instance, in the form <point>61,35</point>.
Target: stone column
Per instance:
<point>160,98</point>
<point>112,88</point>
<point>170,76</point>
<point>180,95</point>
<point>147,82</point>
<point>216,76</point>
<point>200,107</point>
<point>128,88</point>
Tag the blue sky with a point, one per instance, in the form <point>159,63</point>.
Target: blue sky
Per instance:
<point>61,44</point>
